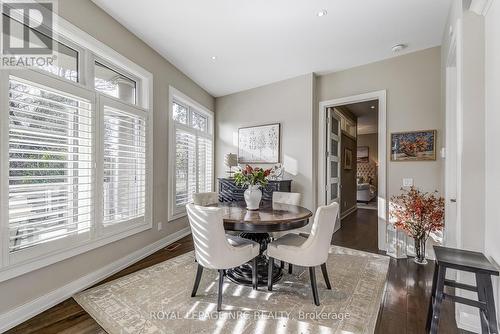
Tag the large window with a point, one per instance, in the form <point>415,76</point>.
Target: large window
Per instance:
<point>50,165</point>
<point>124,164</point>
<point>191,152</point>
<point>75,154</point>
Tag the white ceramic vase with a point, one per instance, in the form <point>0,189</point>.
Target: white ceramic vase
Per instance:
<point>253,195</point>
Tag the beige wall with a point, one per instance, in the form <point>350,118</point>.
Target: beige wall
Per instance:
<point>370,140</point>
<point>413,84</point>
<point>88,17</point>
<point>289,102</point>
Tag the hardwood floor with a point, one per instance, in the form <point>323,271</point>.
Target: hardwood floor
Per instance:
<point>403,310</point>
<point>68,317</point>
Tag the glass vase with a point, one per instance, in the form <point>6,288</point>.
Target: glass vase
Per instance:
<point>420,251</point>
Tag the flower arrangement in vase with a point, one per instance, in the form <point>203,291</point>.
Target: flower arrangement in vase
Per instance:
<point>418,214</point>
<point>254,178</point>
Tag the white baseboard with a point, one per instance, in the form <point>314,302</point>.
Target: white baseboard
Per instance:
<point>348,212</point>
<point>24,312</point>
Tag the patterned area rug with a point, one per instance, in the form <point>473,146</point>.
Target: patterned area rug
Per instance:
<point>157,300</point>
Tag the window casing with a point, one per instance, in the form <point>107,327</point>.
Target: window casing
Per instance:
<point>75,163</point>
<point>114,83</point>
<point>191,165</point>
<point>67,55</point>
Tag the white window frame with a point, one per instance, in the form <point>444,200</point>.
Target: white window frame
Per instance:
<point>89,49</point>
<point>37,79</point>
<point>175,95</point>
<point>125,73</point>
<point>106,100</point>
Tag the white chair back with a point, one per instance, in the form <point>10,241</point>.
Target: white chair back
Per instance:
<point>317,245</point>
<point>210,243</point>
<point>286,198</point>
<point>205,199</point>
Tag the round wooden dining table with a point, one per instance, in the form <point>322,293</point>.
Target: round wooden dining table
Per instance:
<point>256,225</point>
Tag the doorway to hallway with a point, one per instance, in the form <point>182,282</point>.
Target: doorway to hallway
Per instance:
<point>338,158</point>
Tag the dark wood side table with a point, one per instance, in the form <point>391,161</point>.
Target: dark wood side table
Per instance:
<point>469,261</point>
<point>230,192</point>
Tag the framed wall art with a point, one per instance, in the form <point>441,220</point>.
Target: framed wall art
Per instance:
<point>259,144</point>
<point>363,154</point>
<point>413,146</point>
<point>347,159</point>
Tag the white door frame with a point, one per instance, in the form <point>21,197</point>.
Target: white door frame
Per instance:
<point>382,153</point>
<point>332,113</point>
<point>453,147</point>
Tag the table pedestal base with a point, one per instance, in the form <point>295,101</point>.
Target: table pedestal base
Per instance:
<point>243,274</point>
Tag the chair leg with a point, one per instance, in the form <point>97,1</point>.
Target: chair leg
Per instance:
<point>290,268</point>
<point>219,297</point>
<point>314,286</point>
<point>254,273</point>
<point>199,271</point>
<point>270,274</point>
<point>485,284</point>
<point>325,276</point>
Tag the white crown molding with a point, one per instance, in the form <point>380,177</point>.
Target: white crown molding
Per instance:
<point>26,311</point>
<point>480,7</point>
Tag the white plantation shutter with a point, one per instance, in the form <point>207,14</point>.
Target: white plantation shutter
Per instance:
<point>50,165</point>
<point>205,164</point>
<point>74,175</point>
<point>124,159</point>
<point>185,167</point>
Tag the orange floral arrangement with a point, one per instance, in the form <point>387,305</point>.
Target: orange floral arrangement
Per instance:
<point>418,214</point>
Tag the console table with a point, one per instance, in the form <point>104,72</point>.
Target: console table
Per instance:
<point>230,192</point>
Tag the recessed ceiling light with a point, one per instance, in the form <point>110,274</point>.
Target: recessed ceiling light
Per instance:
<point>399,47</point>
<point>322,13</point>
<point>214,58</point>
<point>373,107</point>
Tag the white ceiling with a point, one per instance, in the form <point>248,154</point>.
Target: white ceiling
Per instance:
<point>262,41</point>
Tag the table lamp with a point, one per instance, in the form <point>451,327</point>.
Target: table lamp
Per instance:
<point>231,160</point>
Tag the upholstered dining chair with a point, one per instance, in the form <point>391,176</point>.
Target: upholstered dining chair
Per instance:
<point>205,199</point>
<point>285,198</point>
<point>216,250</point>
<point>307,252</point>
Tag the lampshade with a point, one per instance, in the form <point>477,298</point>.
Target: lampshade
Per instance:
<point>231,160</point>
